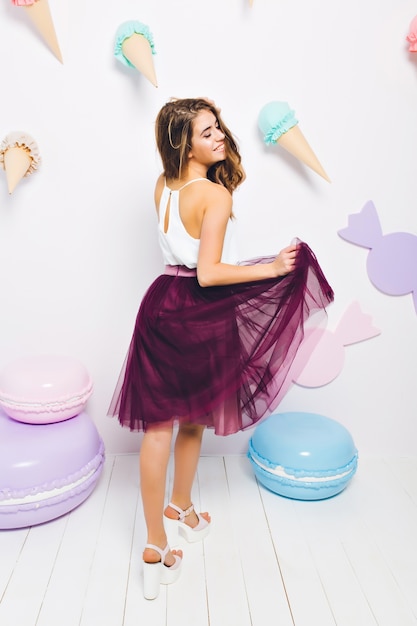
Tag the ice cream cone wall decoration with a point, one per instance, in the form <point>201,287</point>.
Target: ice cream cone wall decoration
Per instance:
<point>278,125</point>
<point>134,47</point>
<point>40,15</point>
<point>19,157</point>
<point>412,36</point>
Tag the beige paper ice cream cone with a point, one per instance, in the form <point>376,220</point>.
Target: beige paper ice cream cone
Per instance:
<point>137,50</point>
<point>294,142</point>
<point>41,18</point>
<point>17,161</point>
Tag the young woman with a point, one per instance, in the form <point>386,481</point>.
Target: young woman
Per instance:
<point>214,339</point>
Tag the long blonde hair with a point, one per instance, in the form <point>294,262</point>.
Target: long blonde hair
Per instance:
<point>173,132</point>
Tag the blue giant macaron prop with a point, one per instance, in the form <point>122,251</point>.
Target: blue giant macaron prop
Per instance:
<point>304,456</point>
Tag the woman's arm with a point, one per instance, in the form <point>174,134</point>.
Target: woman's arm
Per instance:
<point>210,270</point>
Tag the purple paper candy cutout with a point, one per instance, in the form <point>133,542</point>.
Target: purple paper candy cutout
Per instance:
<point>392,260</point>
<point>322,352</point>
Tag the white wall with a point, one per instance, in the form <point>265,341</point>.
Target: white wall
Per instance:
<point>77,239</point>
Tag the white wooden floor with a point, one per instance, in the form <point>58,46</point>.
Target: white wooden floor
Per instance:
<point>350,560</point>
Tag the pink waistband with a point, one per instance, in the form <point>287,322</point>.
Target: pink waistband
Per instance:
<point>179,270</point>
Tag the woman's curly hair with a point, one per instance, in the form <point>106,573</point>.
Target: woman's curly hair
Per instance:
<point>173,131</point>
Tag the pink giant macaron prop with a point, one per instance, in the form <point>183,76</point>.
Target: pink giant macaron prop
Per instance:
<point>51,454</point>
<point>44,389</point>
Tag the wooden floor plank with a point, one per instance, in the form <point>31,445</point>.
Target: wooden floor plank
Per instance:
<point>344,594</point>
<point>325,525</point>
<point>106,591</point>
<point>385,598</point>
<point>226,593</point>
<point>12,542</point>
<point>405,471</point>
<point>349,560</point>
<point>264,586</point>
<point>388,504</point>
<point>188,595</point>
<point>400,555</point>
<point>303,585</point>
<point>24,595</point>
<point>64,597</point>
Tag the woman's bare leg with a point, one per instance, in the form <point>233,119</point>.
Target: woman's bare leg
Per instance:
<point>186,456</point>
<point>153,463</point>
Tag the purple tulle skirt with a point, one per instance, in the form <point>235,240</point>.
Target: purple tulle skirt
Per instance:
<point>217,356</point>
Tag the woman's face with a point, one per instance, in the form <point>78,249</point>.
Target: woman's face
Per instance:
<point>207,141</point>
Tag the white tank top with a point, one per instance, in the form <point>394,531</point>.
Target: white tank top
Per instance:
<point>178,247</point>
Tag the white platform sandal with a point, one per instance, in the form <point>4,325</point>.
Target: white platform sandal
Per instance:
<point>176,527</point>
<point>155,574</point>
